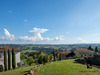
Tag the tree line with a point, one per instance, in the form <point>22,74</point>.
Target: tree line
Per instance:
<point>90,48</point>
<point>9,59</point>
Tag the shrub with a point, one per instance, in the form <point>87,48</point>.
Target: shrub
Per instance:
<point>30,60</point>
<point>1,68</point>
<point>19,64</point>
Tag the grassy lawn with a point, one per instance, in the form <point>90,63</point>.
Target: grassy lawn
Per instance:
<point>19,71</point>
<point>66,67</point>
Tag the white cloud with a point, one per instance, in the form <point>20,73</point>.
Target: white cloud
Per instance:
<point>81,40</point>
<point>36,36</point>
<point>8,36</point>
<point>59,38</point>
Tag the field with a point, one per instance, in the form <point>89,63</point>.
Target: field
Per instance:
<point>66,67</point>
<point>19,71</point>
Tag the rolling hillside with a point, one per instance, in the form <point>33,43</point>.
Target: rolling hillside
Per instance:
<point>66,67</point>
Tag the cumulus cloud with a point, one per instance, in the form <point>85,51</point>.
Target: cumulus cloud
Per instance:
<point>8,36</point>
<point>36,36</point>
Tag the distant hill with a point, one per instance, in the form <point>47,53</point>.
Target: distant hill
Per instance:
<point>49,47</point>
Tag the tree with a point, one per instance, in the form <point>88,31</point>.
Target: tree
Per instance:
<point>41,58</point>
<point>50,57</point>
<point>46,59</point>
<point>54,55</point>
<point>96,49</point>
<point>90,48</point>
<point>30,60</point>
<point>60,56</point>
<point>5,60</point>
<point>9,60</point>
<point>13,59</point>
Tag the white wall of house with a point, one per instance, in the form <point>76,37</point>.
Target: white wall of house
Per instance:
<point>2,58</point>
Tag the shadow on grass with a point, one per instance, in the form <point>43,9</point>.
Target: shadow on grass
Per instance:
<point>25,72</point>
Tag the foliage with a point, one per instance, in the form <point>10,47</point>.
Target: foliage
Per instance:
<point>5,60</point>
<point>1,68</point>
<point>19,64</point>
<point>46,59</point>
<point>13,59</point>
<point>22,56</point>
<point>51,57</point>
<point>96,49</point>
<point>9,60</point>
<point>41,58</point>
<point>90,48</point>
<point>54,55</point>
<point>30,60</point>
<point>60,56</point>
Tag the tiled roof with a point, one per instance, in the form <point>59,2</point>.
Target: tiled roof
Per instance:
<point>63,54</point>
<point>82,50</point>
<point>8,47</point>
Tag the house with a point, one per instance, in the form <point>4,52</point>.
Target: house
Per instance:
<point>17,54</point>
<point>84,52</point>
<point>76,53</point>
<point>62,55</point>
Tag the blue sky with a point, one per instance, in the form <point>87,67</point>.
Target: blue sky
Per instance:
<point>49,21</point>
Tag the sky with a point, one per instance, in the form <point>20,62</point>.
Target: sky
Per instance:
<point>49,21</point>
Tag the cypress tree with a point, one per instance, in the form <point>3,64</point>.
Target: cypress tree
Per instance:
<point>90,48</point>
<point>96,49</point>
<point>13,59</point>
<point>5,60</point>
<point>60,56</point>
<point>9,60</point>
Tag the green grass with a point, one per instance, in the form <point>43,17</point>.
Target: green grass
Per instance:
<point>66,67</point>
<point>19,71</point>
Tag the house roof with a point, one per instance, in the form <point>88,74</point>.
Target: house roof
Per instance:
<point>63,54</point>
<point>8,47</point>
<point>83,50</point>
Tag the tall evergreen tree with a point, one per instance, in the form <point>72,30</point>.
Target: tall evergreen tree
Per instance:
<point>60,56</point>
<point>54,55</point>
<point>13,59</point>
<point>96,49</point>
<point>5,60</point>
<point>9,60</point>
<point>90,48</point>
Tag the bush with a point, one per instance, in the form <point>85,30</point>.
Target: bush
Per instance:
<point>19,64</point>
<point>1,68</point>
<point>30,60</point>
